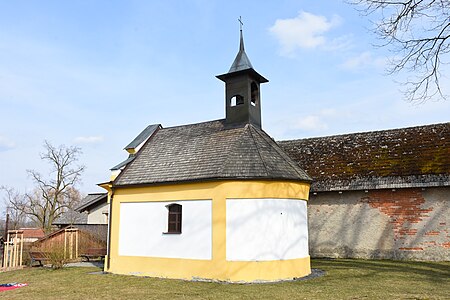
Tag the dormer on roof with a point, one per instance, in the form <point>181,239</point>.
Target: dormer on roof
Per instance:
<point>242,90</point>
<point>133,147</point>
<point>138,141</point>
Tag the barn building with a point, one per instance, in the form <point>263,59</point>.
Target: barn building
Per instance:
<point>216,200</point>
<point>380,194</point>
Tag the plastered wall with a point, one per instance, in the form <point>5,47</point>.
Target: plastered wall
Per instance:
<point>396,224</point>
<point>98,215</point>
<point>266,229</point>
<point>143,228</point>
<point>139,246</point>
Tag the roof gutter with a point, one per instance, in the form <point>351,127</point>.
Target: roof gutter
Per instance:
<point>211,179</point>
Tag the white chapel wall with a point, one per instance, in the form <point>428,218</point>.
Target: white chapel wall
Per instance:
<point>266,229</point>
<point>142,226</point>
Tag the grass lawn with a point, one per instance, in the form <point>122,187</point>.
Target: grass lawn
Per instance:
<point>344,279</point>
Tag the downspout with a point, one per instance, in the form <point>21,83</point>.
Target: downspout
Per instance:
<point>109,187</point>
<point>108,239</point>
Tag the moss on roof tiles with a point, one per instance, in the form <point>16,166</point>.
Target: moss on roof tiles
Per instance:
<point>412,152</point>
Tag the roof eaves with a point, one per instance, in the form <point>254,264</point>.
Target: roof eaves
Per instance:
<point>123,163</point>
<point>378,183</point>
<point>250,71</point>
<point>283,154</point>
<point>208,179</point>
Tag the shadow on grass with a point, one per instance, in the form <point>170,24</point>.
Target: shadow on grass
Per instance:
<point>435,272</point>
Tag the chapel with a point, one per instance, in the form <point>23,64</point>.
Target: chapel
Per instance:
<point>217,200</point>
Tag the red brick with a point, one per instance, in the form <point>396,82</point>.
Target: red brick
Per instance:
<point>404,208</point>
<point>430,243</point>
<point>432,233</point>
<point>446,245</point>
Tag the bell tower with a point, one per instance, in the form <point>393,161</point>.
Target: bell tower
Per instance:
<point>242,89</point>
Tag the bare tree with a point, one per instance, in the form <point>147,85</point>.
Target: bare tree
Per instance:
<point>418,32</point>
<point>54,196</point>
<point>71,216</point>
<point>17,218</point>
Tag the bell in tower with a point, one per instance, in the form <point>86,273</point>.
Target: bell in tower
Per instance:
<point>242,92</point>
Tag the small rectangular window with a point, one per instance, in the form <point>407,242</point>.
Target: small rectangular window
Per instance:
<point>174,218</point>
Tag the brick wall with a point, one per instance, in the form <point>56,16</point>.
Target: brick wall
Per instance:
<point>397,224</point>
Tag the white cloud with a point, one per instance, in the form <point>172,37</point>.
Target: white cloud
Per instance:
<point>364,60</point>
<point>317,122</point>
<point>88,139</point>
<point>311,123</point>
<point>340,43</point>
<point>304,31</point>
<point>6,144</point>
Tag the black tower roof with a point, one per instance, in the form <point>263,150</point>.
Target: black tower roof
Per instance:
<point>242,64</point>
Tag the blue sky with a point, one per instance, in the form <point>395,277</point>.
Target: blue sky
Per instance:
<point>95,73</point>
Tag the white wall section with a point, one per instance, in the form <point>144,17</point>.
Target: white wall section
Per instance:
<point>98,215</point>
<point>266,229</point>
<point>142,226</point>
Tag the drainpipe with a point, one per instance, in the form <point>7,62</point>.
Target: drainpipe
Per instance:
<point>108,238</point>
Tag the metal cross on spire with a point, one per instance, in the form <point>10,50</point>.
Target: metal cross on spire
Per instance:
<point>241,43</point>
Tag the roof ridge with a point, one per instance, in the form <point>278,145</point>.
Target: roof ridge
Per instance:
<point>233,151</point>
<point>257,148</point>
<point>367,132</point>
<point>194,124</point>
<point>283,154</point>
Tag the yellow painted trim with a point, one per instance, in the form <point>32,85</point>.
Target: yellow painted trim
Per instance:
<point>218,268</point>
<point>107,186</point>
<point>235,271</point>
<point>207,190</point>
<point>131,150</point>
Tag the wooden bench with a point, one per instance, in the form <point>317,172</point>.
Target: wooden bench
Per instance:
<point>39,256</point>
<point>94,253</point>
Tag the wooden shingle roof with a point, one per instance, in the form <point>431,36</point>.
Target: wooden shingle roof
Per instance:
<point>209,151</point>
<point>407,157</point>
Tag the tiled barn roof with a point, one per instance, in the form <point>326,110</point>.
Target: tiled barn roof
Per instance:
<point>407,157</point>
<point>71,217</point>
<point>91,200</point>
<point>78,215</point>
<point>32,232</point>
<point>209,151</point>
